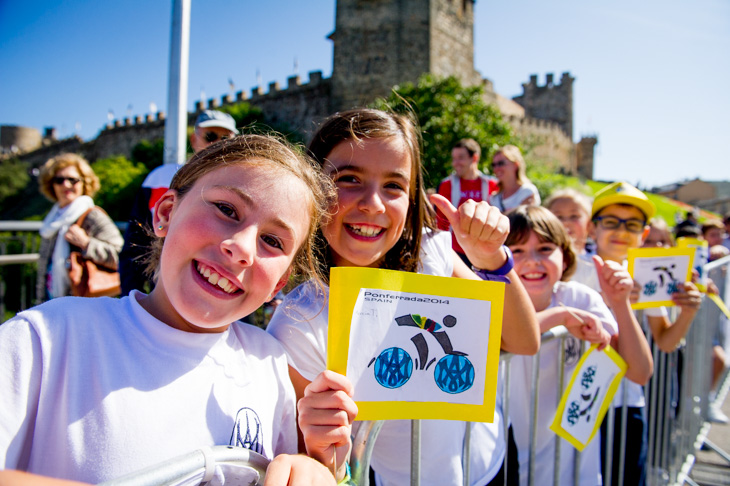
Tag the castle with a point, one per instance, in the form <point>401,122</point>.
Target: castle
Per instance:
<point>377,45</point>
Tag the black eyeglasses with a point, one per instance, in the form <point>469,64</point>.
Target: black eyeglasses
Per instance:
<point>211,137</point>
<point>632,225</point>
<point>59,181</point>
<point>499,163</point>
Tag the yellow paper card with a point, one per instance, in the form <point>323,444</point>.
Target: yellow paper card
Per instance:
<point>702,256</point>
<point>588,396</point>
<point>658,271</point>
<point>416,346</point>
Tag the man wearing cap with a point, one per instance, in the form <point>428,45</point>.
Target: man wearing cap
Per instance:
<point>210,126</point>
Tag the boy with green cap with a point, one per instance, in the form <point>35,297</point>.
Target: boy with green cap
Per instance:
<point>619,221</point>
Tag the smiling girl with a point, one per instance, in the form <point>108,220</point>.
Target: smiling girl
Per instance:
<point>97,388</point>
<point>382,219</point>
<point>545,260</point>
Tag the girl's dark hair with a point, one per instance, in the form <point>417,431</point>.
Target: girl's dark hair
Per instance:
<point>547,227</point>
<point>363,124</point>
<point>260,151</point>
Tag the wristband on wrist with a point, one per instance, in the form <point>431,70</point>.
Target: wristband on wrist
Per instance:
<point>500,274</point>
<point>347,480</point>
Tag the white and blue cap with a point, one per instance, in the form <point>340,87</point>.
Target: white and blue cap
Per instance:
<point>213,118</point>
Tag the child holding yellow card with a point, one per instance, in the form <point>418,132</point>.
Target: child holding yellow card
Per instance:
<point>382,219</point>
<point>619,220</point>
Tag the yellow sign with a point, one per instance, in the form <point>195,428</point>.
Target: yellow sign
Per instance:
<point>416,346</point>
<point>658,272</point>
<point>588,396</point>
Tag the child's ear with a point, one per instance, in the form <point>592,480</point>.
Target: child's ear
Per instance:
<point>162,214</point>
<point>592,229</point>
<point>647,230</point>
<point>280,284</point>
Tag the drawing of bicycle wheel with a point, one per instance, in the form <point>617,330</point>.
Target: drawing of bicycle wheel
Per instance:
<point>454,373</point>
<point>393,368</point>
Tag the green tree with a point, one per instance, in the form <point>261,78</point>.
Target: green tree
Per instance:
<point>120,178</point>
<point>250,119</point>
<point>149,153</point>
<point>13,178</point>
<point>447,112</point>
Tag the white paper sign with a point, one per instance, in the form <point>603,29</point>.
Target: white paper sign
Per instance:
<point>588,396</point>
<point>658,273</point>
<point>419,348</point>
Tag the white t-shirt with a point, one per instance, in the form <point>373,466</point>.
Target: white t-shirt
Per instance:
<point>587,275</point>
<point>526,190</point>
<point>93,389</point>
<point>300,324</point>
<point>571,294</point>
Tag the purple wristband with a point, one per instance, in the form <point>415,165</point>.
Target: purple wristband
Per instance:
<point>500,274</point>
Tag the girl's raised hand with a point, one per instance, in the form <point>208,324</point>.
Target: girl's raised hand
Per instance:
<point>586,326</point>
<point>326,412</point>
<point>616,282</point>
<point>480,229</point>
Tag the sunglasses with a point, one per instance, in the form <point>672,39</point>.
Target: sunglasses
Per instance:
<point>211,137</point>
<point>59,181</point>
<point>499,163</point>
<point>632,225</point>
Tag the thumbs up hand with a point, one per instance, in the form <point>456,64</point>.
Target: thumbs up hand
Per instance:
<point>480,229</point>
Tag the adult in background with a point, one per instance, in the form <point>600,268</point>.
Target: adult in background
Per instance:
<point>514,186</point>
<point>466,182</point>
<point>70,183</point>
<point>210,127</point>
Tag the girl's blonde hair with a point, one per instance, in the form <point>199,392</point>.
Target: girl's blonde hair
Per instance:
<point>257,151</point>
<point>514,154</point>
<point>570,194</point>
<point>363,124</point>
<point>547,227</point>
<point>89,180</point>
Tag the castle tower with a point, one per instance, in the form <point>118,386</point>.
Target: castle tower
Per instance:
<point>552,101</point>
<point>381,43</point>
<point>584,156</point>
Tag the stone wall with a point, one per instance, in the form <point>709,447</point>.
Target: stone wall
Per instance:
<point>377,45</point>
<point>551,101</point>
<point>23,139</point>
<point>545,140</point>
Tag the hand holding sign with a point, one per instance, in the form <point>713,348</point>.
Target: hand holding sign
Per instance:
<point>586,326</point>
<point>480,229</point>
<point>326,412</point>
<point>687,296</point>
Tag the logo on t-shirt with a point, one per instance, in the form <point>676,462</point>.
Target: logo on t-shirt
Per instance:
<point>247,431</point>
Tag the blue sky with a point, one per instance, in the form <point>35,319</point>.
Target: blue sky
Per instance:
<point>651,76</point>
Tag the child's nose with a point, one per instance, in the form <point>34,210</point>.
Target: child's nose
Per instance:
<point>371,201</point>
<point>241,246</point>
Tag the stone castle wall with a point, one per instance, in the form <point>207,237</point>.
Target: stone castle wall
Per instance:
<point>377,45</point>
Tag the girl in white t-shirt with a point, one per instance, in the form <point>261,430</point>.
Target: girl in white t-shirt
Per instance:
<point>94,389</point>
<point>382,219</point>
<point>545,260</point>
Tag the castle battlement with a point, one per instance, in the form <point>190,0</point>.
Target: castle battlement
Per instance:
<point>256,96</point>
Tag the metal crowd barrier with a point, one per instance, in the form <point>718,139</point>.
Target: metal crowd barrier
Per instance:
<point>676,396</point>
<point>676,405</point>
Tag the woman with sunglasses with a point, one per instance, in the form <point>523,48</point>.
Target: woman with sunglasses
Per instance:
<point>515,188</point>
<point>69,182</point>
